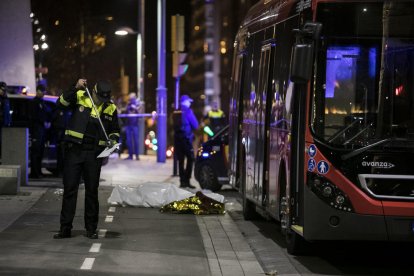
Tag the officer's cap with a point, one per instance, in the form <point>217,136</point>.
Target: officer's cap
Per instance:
<point>185,98</point>
<point>103,90</point>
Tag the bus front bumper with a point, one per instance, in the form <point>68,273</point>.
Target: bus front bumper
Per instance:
<point>322,222</point>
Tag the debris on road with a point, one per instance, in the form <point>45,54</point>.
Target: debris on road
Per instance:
<point>58,192</point>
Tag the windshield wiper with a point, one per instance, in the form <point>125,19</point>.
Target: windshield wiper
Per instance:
<point>363,149</point>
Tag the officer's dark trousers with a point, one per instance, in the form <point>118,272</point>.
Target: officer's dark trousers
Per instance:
<point>132,137</point>
<point>184,150</point>
<point>80,160</point>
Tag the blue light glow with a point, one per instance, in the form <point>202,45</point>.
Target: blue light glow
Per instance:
<point>340,67</point>
<point>372,62</point>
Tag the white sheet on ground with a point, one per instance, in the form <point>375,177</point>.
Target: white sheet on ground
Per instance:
<point>152,194</point>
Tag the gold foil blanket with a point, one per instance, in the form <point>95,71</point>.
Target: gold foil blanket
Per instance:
<point>199,204</point>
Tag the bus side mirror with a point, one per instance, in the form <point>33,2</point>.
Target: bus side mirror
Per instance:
<point>303,52</point>
<point>301,63</point>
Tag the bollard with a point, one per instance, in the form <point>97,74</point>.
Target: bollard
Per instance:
<point>15,150</point>
<point>9,179</point>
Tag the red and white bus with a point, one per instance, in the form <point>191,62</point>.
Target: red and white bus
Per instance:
<point>322,118</point>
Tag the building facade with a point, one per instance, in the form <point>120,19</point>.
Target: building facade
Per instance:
<point>214,25</point>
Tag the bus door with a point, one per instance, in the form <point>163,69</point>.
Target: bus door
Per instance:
<point>262,129</point>
<point>235,120</point>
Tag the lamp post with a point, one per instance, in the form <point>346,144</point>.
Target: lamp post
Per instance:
<point>140,91</point>
<point>161,89</point>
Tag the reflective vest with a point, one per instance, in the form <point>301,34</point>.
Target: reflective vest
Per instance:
<point>82,109</point>
<point>216,120</point>
<point>216,114</point>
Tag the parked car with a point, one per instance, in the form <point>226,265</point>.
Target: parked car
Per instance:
<point>211,163</point>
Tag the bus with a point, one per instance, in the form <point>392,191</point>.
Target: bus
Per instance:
<point>322,118</point>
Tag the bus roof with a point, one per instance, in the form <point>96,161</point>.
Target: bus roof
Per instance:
<point>268,12</point>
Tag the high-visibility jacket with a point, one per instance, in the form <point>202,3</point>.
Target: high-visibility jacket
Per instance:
<point>215,114</point>
<point>80,104</point>
<point>216,120</point>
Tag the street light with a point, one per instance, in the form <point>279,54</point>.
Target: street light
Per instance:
<point>125,31</point>
<point>140,91</point>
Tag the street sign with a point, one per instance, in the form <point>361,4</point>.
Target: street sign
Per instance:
<point>177,33</point>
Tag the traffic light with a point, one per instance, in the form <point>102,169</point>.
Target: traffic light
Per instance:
<point>178,66</point>
<point>177,46</point>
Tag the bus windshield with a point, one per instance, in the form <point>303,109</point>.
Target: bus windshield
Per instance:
<point>364,88</point>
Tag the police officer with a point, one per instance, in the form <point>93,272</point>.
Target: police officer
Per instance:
<point>131,127</point>
<point>38,125</point>
<point>215,118</point>
<point>183,141</point>
<point>84,140</point>
<point>5,117</point>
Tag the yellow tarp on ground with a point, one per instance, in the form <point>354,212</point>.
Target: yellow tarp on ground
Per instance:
<point>199,204</point>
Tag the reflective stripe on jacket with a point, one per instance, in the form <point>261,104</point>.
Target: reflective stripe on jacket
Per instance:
<point>80,104</point>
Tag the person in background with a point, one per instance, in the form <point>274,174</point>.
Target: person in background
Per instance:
<point>39,123</point>
<point>84,141</point>
<point>131,127</point>
<point>215,118</point>
<point>5,117</point>
<point>121,107</point>
<point>183,141</point>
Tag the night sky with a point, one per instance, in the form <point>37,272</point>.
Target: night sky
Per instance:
<point>63,58</point>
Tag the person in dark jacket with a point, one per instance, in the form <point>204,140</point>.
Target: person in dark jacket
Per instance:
<point>131,127</point>
<point>39,123</point>
<point>84,141</point>
<point>5,117</point>
<point>183,141</point>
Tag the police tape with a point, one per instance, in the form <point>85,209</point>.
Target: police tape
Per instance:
<point>136,115</point>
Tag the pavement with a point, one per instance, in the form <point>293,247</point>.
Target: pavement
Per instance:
<point>133,241</point>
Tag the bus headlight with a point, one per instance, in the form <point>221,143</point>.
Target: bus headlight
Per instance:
<point>329,193</point>
<point>340,199</point>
